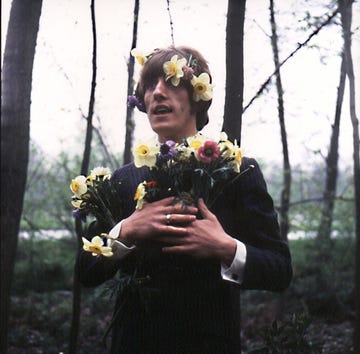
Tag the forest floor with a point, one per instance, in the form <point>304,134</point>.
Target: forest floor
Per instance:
<point>314,315</point>
<point>40,324</point>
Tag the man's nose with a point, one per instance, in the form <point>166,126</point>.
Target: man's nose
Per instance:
<point>160,88</point>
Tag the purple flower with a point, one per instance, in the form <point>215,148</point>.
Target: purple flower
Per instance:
<point>167,150</point>
<point>79,214</point>
<point>133,102</point>
<point>76,213</point>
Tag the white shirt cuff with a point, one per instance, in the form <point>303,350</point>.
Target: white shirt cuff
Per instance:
<point>119,249</point>
<point>235,272</point>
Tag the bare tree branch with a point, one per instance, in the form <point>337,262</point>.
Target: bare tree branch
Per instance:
<point>171,22</point>
<point>300,45</point>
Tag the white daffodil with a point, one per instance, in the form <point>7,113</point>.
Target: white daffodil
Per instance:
<point>100,173</point>
<point>223,136</point>
<point>225,145</point>
<point>145,153</point>
<point>196,141</point>
<point>96,247</point>
<point>184,152</point>
<point>193,143</point>
<point>140,56</point>
<point>78,186</point>
<point>173,69</point>
<point>202,87</point>
<point>76,203</point>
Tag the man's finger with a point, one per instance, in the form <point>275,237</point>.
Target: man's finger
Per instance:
<point>205,212</point>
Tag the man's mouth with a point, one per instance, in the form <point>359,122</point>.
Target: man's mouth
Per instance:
<point>162,110</point>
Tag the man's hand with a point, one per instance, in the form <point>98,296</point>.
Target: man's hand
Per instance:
<point>155,220</point>
<point>204,238</point>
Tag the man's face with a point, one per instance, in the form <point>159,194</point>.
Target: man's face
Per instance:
<point>169,111</point>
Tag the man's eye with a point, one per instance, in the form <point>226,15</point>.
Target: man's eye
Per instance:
<point>150,86</point>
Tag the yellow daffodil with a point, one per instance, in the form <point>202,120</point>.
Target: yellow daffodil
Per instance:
<point>145,153</point>
<point>96,247</point>
<point>78,186</point>
<point>194,143</point>
<point>90,180</point>
<point>196,140</point>
<point>76,203</point>
<point>184,152</point>
<point>225,145</point>
<point>139,56</point>
<point>173,69</point>
<point>140,194</point>
<point>202,87</point>
<point>236,154</point>
<point>100,173</point>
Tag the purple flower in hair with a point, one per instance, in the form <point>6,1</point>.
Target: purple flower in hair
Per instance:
<point>133,102</point>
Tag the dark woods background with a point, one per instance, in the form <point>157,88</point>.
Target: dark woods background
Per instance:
<point>43,307</point>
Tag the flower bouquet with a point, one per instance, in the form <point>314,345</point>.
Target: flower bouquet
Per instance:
<point>98,196</point>
<point>196,168</point>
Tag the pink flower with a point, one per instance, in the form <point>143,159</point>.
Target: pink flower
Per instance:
<point>208,152</point>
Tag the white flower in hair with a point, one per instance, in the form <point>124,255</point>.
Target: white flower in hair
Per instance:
<point>174,69</point>
<point>202,87</point>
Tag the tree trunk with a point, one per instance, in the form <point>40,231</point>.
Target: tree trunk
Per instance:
<point>324,231</point>
<point>75,321</point>
<point>15,121</point>
<point>234,69</point>
<point>286,189</point>
<point>130,124</point>
<point>346,17</point>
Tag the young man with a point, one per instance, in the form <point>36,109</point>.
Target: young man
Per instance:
<point>192,268</point>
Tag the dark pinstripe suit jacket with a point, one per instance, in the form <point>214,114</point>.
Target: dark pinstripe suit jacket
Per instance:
<point>189,307</point>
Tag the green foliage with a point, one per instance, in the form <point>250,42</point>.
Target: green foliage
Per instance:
<point>288,336</point>
<point>307,196</point>
<point>324,273</point>
<point>47,197</point>
<point>42,300</point>
<point>44,265</point>
<point>46,200</point>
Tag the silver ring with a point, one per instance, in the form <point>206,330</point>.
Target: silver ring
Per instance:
<point>168,219</point>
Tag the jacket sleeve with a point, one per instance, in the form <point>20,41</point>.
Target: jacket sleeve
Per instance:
<point>268,261</point>
<point>93,271</point>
